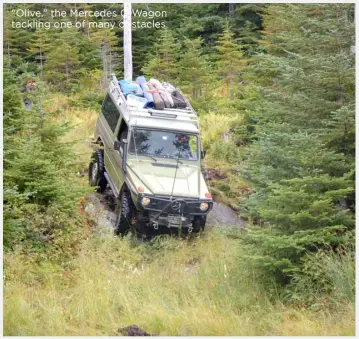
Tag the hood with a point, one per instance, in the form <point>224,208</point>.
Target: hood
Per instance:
<point>158,177</point>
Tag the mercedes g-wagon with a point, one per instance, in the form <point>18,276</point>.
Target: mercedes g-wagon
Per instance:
<point>151,160</point>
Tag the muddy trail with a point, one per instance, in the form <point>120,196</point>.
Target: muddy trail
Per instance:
<point>101,210</point>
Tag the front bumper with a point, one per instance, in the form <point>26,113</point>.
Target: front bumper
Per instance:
<point>175,212</point>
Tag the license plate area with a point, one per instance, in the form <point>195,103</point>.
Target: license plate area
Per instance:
<point>174,219</point>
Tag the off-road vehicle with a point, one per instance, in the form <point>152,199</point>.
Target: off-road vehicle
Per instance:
<point>151,160</point>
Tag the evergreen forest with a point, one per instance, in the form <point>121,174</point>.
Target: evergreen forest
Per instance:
<point>274,88</point>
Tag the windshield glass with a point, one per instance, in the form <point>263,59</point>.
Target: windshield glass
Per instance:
<point>164,144</point>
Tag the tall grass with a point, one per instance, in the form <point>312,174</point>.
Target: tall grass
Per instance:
<point>327,276</point>
<point>224,156</point>
<point>214,125</point>
<point>82,122</point>
<point>168,287</point>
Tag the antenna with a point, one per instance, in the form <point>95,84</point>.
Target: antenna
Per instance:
<point>174,179</point>
<point>134,142</point>
<point>127,41</point>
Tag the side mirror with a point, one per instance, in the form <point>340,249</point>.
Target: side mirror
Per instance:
<point>203,154</point>
<point>116,145</point>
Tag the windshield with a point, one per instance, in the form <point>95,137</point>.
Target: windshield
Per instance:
<point>164,144</point>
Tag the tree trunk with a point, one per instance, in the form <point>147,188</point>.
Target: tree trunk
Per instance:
<point>232,9</point>
<point>127,41</point>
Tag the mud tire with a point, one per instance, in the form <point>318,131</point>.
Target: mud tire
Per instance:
<point>124,213</point>
<point>199,225</point>
<point>97,179</point>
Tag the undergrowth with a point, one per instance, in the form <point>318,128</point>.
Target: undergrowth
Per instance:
<point>169,286</point>
<point>224,156</point>
<point>210,285</point>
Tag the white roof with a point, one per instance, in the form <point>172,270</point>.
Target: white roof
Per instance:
<point>159,123</point>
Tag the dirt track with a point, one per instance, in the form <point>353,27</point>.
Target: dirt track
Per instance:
<point>100,207</point>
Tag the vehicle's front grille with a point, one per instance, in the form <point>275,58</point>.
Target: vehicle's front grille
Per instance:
<point>175,207</point>
<point>166,206</point>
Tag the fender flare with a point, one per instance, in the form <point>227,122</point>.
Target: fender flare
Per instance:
<point>133,193</point>
<point>124,188</point>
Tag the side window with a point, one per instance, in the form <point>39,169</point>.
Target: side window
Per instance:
<point>110,113</point>
<point>122,134</point>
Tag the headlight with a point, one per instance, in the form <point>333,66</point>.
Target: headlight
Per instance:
<point>203,206</point>
<point>145,201</point>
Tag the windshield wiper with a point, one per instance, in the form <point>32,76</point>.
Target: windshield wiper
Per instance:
<point>147,155</point>
<point>172,157</point>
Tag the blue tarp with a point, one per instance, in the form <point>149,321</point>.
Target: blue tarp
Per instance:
<point>143,83</point>
<point>130,87</point>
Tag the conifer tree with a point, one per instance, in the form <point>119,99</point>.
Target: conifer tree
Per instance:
<point>302,162</point>
<point>39,46</point>
<point>246,22</point>
<point>142,38</point>
<point>38,176</point>
<point>230,63</point>
<point>162,61</point>
<point>195,72</point>
<point>107,44</point>
<point>16,40</point>
<point>63,66</point>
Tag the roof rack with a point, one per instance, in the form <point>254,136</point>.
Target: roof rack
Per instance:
<point>179,114</point>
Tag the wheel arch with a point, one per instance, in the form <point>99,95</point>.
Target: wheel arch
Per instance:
<point>133,194</point>
<point>125,188</point>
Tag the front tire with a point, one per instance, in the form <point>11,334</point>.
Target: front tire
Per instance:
<point>124,213</point>
<point>97,171</point>
<point>199,223</point>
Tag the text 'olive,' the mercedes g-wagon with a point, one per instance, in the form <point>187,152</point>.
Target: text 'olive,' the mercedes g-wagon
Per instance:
<point>151,160</point>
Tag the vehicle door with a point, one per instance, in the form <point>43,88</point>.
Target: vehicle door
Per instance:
<point>117,155</point>
<point>111,119</point>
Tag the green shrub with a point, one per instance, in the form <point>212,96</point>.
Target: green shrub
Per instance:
<point>225,151</point>
<point>41,189</point>
<point>279,256</point>
<point>87,99</point>
<point>326,272</point>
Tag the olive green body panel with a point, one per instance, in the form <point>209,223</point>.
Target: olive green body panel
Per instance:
<point>113,158</point>
<point>166,178</point>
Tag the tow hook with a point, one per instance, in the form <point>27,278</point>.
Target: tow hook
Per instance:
<point>155,225</point>
<point>190,229</point>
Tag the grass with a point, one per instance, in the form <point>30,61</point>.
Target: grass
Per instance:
<point>168,287</point>
<point>223,156</point>
<point>81,120</point>
<point>333,271</point>
<point>214,125</point>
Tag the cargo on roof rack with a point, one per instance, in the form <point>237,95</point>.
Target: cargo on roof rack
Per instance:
<point>129,112</point>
